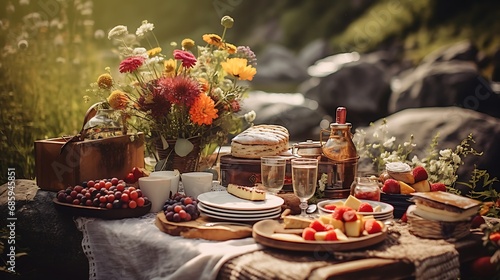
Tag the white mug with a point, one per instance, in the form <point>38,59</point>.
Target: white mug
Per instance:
<point>157,190</point>
<point>196,183</point>
<point>172,175</point>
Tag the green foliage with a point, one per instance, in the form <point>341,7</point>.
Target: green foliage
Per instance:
<point>47,61</point>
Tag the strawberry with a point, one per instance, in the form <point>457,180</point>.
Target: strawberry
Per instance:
<point>477,221</point>
<point>483,268</point>
<point>349,216</point>
<point>331,235</point>
<point>330,207</point>
<point>495,237</point>
<point>339,212</point>
<point>391,186</point>
<point>404,218</point>
<point>365,207</point>
<point>372,226</point>
<point>317,225</point>
<point>438,187</point>
<point>308,233</point>
<point>420,174</point>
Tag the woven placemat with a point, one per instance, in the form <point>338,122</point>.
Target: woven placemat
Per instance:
<point>433,259</point>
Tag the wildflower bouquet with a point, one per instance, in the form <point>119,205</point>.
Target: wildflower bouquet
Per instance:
<point>193,92</point>
<point>441,165</point>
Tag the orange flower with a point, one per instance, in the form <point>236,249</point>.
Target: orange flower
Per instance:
<point>213,39</point>
<point>118,100</point>
<point>238,68</point>
<point>230,48</point>
<point>203,110</point>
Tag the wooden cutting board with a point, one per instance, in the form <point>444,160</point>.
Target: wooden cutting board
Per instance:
<point>196,229</point>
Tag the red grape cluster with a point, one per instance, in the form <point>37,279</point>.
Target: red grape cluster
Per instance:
<point>105,193</point>
<point>181,208</point>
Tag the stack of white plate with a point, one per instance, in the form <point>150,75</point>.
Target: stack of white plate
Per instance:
<point>386,210</point>
<point>224,206</point>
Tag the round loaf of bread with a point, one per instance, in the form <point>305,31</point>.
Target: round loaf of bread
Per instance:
<point>260,140</point>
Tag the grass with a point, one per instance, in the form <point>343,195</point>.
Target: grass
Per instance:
<point>46,67</point>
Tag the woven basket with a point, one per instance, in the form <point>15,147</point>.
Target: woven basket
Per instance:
<point>436,229</point>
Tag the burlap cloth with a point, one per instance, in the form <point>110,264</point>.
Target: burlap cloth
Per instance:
<point>433,259</point>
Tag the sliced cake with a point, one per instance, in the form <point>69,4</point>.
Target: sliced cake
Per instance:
<point>248,193</point>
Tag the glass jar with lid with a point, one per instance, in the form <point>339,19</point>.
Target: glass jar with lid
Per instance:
<point>366,188</point>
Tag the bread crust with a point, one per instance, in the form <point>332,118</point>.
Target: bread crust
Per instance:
<point>260,140</point>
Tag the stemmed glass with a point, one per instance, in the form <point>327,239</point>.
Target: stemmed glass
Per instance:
<point>273,173</point>
<point>304,180</point>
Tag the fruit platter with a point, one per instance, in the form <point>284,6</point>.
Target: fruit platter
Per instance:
<point>104,198</point>
<point>380,210</point>
<point>341,231</point>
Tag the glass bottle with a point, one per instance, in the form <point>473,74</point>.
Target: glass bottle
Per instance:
<point>339,146</point>
<point>341,153</point>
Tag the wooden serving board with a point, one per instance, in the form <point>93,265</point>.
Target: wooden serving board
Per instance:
<point>196,229</point>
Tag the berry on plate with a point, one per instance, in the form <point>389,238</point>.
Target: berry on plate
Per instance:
<point>438,187</point>
<point>420,174</point>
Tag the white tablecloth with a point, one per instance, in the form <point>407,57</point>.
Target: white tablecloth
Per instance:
<point>136,249</point>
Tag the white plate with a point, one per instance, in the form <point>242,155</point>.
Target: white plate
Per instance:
<point>225,200</point>
<point>384,207</point>
<point>203,208</point>
<point>240,219</point>
<point>239,212</point>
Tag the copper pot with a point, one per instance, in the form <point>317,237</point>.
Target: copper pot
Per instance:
<point>309,149</point>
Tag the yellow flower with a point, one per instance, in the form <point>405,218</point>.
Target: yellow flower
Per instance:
<point>105,81</point>
<point>230,48</point>
<point>118,100</point>
<point>203,110</point>
<point>170,66</point>
<point>213,39</point>
<point>187,44</point>
<point>238,68</point>
<point>154,51</point>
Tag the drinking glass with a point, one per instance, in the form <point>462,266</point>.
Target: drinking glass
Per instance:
<point>273,173</point>
<point>304,180</point>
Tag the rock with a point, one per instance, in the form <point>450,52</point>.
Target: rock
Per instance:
<point>362,87</point>
<point>301,116</point>
<point>447,77</point>
<point>453,125</point>
<point>312,52</point>
<point>50,239</point>
<point>278,64</point>
<point>442,84</point>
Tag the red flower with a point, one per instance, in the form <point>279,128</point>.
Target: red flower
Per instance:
<point>130,64</point>
<point>180,90</point>
<point>187,58</point>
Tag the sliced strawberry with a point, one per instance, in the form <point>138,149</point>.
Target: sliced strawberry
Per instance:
<point>308,233</point>
<point>373,226</point>
<point>331,235</point>
<point>330,207</point>
<point>350,216</point>
<point>435,187</point>
<point>420,174</point>
<point>317,225</point>
<point>365,207</point>
<point>339,212</point>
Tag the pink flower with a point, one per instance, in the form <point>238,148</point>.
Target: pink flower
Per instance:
<point>180,90</point>
<point>187,58</point>
<point>130,64</point>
